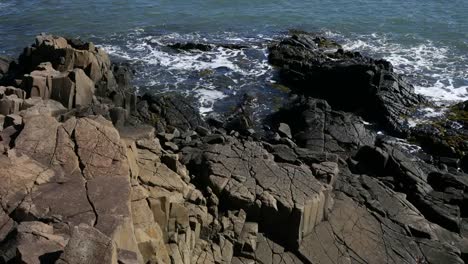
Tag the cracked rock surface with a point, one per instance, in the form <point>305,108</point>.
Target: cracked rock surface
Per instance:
<point>121,180</point>
<point>244,175</point>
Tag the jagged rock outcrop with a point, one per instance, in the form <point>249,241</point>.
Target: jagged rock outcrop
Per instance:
<point>74,73</point>
<point>347,80</point>
<point>244,175</point>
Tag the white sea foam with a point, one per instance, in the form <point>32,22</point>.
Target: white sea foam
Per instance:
<point>444,90</point>
<point>207,98</point>
<point>5,4</point>
<point>434,70</point>
<point>167,69</point>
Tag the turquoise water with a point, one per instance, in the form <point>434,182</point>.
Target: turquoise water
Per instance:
<point>425,40</point>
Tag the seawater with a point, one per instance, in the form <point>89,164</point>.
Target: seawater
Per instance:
<point>427,41</point>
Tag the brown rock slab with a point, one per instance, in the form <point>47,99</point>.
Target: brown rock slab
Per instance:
<point>89,245</point>
<point>37,243</point>
<point>84,88</point>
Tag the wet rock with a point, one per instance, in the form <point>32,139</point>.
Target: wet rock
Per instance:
<point>347,80</point>
<point>464,163</point>
<point>192,46</point>
<point>426,188</point>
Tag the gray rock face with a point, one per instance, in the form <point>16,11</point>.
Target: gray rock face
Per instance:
<point>277,194</point>
<point>438,195</point>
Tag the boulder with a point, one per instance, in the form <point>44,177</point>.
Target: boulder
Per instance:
<point>72,89</point>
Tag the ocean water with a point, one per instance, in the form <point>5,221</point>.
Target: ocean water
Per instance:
<point>427,41</point>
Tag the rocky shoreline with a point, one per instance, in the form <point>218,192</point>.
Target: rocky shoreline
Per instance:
<point>92,172</point>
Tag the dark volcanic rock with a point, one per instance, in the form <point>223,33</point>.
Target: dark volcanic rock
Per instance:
<point>347,80</point>
<point>316,126</point>
<point>438,196</point>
